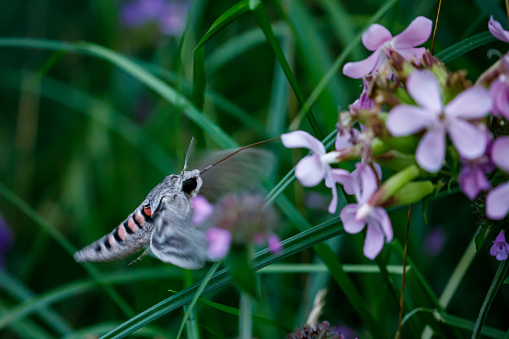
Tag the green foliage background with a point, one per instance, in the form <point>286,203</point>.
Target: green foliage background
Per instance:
<point>95,114</point>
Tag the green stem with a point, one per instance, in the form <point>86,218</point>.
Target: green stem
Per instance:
<point>492,292</point>
<point>245,319</point>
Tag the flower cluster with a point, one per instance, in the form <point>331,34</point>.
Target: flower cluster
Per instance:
<point>170,16</point>
<point>419,119</point>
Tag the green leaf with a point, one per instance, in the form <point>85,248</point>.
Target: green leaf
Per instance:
<point>490,296</point>
<point>465,46</point>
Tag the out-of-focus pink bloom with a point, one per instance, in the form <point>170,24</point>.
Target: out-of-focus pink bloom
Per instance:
<point>219,243</point>
<point>469,140</point>
<point>313,168</point>
<point>378,39</point>
<point>496,29</point>
<point>356,216</point>
<point>202,209</point>
<point>500,248</point>
<point>274,244</point>
<point>497,201</point>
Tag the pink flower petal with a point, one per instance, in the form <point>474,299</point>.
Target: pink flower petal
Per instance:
<point>275,244</point>
<point>418,32</point>
<point>302,139</point>
<point>497,202</point>
<point>423,88</point>
<point>344,178</point>
<point>368,183</point>
<point>310,170</point>
<point>374,240</point>
<point>472,181</point>
<point>375,37</point>
<point>500,153</point>
<point>219,243</point>
<point>472,103</point>
<point>409,53</point>
<point>381,215</point>
<point>202,209</point>
<point>357,70</point>
<point>430,153</point>
<point>496,29</point>
<point>406,119</point>
<point>334,201</point>
<point>468,140</point>
<point>350,224</point>
<point>499,92</point>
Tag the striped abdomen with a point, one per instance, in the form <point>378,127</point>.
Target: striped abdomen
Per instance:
<point>129,237</point>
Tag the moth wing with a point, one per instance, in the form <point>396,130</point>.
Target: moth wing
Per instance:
<point>244,171</point>
<point>176,241</point>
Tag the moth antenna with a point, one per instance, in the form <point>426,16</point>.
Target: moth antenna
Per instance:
<point>237,151</point>
<point>189,151</point>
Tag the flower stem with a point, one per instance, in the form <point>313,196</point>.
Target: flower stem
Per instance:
<point>402,295</point>
<point>245,319</point>
<point>492,292</point>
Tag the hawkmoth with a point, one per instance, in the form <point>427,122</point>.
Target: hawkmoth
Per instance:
<point>162,222</point>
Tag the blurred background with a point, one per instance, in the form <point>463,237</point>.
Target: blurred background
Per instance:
<point>82,142</point>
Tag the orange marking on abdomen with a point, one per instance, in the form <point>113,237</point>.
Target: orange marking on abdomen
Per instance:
<point>121,232</point>
<point>147,211</point>
<point>132,225</point>
<point>139,218</point>
<point>111,240</point>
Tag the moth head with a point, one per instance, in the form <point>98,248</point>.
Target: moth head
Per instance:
<point>191,183</point>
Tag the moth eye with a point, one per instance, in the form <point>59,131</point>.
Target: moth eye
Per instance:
<point>189,185</point>
<point>146,210</point>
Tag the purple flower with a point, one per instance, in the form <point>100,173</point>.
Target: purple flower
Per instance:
<point>170,15</point>
<point>202,209</point>
<point>356,216</point>
<point>435,240</point>
<point>312,169</point>
<point>274,244</point>
<point>137,13</point>
<point>5,238</point>
<point>496,29</point>
<point>469,140</point>
<point>500,248</point>
<point>172,20</point>
<point>497,201</point>
<point>219,243</point>
<point>378,39</point>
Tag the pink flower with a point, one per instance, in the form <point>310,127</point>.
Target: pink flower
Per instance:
<point>496,29</point>
<point>219,243</point>
<point>497,201</point>
<point>274,244</point>
<point>378,39</point>
<point>469,140</point>
<point>356,216</point>
<point>500,248</point>
<point>312,169</point>
<point>202,209</point>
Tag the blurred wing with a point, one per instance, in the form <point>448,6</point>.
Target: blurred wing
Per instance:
<point>176,241</point>
<point>243,171</point>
